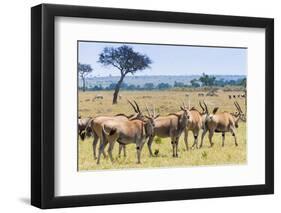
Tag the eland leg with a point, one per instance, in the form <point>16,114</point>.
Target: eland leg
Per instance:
<point>202,137</point>
<point>124,150</point>
<point>139,148</point>
<point>120,150</point>
<point>223,138</point>
<point>195,135</point>
<point>173,146</point>
<point>186,139</point>
<point>110,148</point>
<point>149,144</point>
<point>101,149</point>
<point>176,145</point>
<point>94,145</point>
<point>211,134</point>
<point>234,135</point>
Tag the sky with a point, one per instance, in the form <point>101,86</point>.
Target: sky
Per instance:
<point>170,59</point>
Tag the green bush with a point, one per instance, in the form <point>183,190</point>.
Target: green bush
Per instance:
<point>158,140</point>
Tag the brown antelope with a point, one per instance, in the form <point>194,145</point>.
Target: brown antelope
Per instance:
<point>170,126</point>
<point>125,132</point>
<point>96,126</point>
<point>195,123</point>
<point>222,122</point>
<point>99,96</point>
<point>83,127</point>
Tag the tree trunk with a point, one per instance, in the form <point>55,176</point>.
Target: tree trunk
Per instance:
<point>83,79</point>
<point>117,88</point>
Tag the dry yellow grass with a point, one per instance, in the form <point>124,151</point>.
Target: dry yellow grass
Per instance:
<point>165,102</point>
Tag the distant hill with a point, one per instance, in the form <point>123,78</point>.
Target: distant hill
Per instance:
<point>141,80</point>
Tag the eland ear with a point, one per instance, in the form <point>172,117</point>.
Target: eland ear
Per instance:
<point>157,116</point>
<point>215,110</point>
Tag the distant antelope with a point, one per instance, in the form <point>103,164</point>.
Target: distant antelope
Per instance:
<point>229,96</point>
<point>96,126</point>
<point>98,97</point>
<point>222,122</point>
<point>243,96</point>
<point>201,94</point>
<point>125,132</point>
<point>186,95</point>
<point>170,126</point>
<point>238,96</point>
<point>234,96</point>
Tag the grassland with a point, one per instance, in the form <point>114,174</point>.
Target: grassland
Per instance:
<point>165,102</point>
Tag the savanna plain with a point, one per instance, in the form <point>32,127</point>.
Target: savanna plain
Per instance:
<point>165,102</point>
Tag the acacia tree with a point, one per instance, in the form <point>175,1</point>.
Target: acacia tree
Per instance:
<point>84,70</point>
<point>207,80</point>
<point>126,60</point>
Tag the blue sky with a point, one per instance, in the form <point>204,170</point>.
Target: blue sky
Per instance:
<point>171,60</point>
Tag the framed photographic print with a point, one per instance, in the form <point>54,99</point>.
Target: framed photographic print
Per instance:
<point>139,106</point>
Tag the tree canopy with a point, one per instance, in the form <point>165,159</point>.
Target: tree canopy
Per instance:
<point>84,70</point>
<point>126,60</point>
<point>207,80</point>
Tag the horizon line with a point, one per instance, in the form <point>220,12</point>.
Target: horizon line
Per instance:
<point>169,75</point>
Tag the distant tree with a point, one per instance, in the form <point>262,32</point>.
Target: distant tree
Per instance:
<point>132,87</point>
<point>148,86</point>
<point>84,70</point>
<point>124,86</point>
<point>97,88</point>
<point>178,84</point>
<point>163,86</point>
<point>126,60</point>
<point>207,80</point>
<point>244,83</point>
<point>194,83</point>
<point>111,86</point>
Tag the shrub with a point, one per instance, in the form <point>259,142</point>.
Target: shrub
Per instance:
<point>158,140</point>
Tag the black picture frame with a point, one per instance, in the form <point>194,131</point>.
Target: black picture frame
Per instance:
<point>43,102</point>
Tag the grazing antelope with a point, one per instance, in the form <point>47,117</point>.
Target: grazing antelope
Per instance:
<point>96,126</point>
<point>98,97</point>
<point>125,132</point>
<point>222,122</point>
<point>195,123</point>
<point>170,126</point>
<point>83,127</point>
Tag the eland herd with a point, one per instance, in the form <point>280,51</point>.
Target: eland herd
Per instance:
<point>140,128</point>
